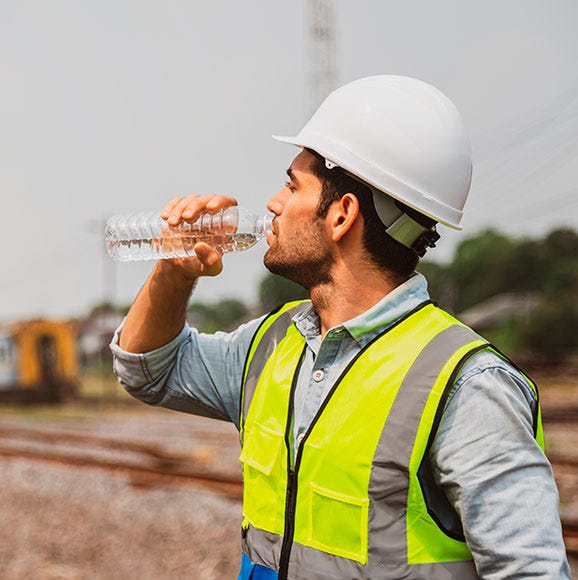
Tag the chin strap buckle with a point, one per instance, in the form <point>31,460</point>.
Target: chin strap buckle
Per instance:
<point>426,240</point>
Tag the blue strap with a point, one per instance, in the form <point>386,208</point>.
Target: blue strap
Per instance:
<point>250,571</point>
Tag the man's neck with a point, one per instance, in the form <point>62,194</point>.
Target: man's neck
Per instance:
<point>348,295</point>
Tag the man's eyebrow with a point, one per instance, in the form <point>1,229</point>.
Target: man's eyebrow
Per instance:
<point>292,176</point>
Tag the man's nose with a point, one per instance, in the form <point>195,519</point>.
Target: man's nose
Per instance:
<point>277,202</point>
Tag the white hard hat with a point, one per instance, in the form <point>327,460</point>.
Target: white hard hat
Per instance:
<point>401,136</point>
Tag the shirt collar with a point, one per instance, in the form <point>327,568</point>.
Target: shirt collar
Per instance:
<point>365,327</point>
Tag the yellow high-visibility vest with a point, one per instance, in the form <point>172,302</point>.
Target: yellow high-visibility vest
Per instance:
<point>353,504</point>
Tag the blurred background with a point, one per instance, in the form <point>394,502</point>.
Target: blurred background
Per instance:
<point>114,107</point>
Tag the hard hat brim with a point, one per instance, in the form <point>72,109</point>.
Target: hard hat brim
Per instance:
<point>285,139</point>
<point>304,142</point>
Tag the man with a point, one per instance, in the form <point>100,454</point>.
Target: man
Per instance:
<point>380,437</point>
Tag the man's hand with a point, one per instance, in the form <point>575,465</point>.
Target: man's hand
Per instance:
<point>207,261</point>
<point>159,311</point>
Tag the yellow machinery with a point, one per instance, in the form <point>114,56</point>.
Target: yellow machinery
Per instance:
<point>38,359</point>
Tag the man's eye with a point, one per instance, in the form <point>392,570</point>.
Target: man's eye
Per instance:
<point>289,186</point>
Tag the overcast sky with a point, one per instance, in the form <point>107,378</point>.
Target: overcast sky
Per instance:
<point>115,106</point>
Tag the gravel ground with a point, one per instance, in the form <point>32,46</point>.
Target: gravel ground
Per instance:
<point>66,523</point>
<point>61,523</point>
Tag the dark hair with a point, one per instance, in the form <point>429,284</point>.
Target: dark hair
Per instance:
<point>385,252</point>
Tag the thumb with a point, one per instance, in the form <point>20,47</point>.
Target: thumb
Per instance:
<point>210,259</point>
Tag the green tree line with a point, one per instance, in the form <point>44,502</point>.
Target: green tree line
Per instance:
<point>490,264</point>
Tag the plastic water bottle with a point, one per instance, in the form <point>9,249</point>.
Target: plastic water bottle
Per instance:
<point>146,236</point>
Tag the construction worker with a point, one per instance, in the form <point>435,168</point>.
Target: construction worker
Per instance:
<point>380,437</point>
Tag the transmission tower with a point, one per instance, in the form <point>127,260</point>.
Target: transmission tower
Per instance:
<point>322,56</point>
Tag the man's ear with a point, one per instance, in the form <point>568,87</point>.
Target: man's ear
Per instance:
<point>343,214</point>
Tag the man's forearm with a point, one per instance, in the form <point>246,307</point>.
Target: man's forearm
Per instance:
<point>159,311</point>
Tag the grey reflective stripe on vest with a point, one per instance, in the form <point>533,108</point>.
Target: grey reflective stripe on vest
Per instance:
<point>264,548</point>
<point>389,483</point>
<point>268,343</point>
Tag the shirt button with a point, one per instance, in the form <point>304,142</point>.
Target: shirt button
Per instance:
<point>318,375</point>
<point>300,438</point>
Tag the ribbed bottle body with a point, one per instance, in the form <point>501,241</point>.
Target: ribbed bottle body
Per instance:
<point>146,236</point>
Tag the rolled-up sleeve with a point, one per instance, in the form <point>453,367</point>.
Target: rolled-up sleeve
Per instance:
<point>195,373</point>
<point>486,459</point>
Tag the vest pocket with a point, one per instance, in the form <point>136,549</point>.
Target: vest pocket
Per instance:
<point>338,523</point>
<point>261,458</point>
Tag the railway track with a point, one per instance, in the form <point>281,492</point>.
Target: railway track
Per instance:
<point>560,414</point>
<point>147,465</point>
<point>564,415</point>
<point>144,464</point>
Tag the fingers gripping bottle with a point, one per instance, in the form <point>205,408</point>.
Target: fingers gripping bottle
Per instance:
<point>146,236</point>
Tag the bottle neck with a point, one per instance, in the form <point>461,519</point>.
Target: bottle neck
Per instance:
<point>264,224</point>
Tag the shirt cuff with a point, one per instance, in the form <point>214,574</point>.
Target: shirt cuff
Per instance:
<point>139,369</point>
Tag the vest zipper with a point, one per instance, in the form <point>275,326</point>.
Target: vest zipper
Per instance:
<point>290,505</point>
<point>291,494</point>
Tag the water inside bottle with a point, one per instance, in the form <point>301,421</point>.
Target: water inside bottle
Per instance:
<point>177,246</point>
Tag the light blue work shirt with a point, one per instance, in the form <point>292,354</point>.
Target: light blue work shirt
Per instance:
<point>484,456</point>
